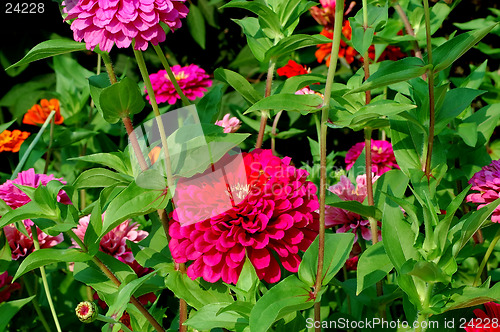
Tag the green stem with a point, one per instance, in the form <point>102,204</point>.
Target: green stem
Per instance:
<point>171,75</point>
<point>423,317</point>
<point>34,235</point>
<point>339,15</point>
<point>109,67</point>
<point>264,113</point>
<point>49,150</point>
<point>408,28</point>
<point>36,305</point>
<point>492,245</point>
<point>427,167</point>
<point>32,146</point>
<point>273,132</point>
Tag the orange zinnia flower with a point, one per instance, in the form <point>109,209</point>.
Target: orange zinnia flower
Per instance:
<point>12,140</point>
<point>39,113</point>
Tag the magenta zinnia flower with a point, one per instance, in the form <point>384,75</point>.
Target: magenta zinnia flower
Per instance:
<point>483,321</point>
<point>347,220</point>
<point>192,80</point>
<point>487,182</point>
<point>7,287</point>
<point>109,22</point>
<point>383,158</point>
<point>114,243</point>
<point>273,212</point>
<point>20,244</point>
<point>230,125</point>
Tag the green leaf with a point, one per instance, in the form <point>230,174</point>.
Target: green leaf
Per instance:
<point>471,223</point>
<point>246,287</point>
<point>5,252</point>
<point>239,83</point>
<point>257,40</point>
<point>208,318</point>
<point>9,309</point>
<point>295,42</point>
<point>132,201</point>
<point>209,105</point>
<point>408,144</point>
<point>99,178</point>
<point>486,119</point>
<point>468,132</point>
<point>48,49</point>
<point>337,249</point>
<point>361,38</point>
<point>115,160</point>
<point>196,25</point>
<point>304,104</point>
<point>390,72</point>
<point>394,181</point>
<point>467,297</point>
<point>125,292</point>
<point>121,100</point>
<point>373,266</point>
<point>450,51</point>
<point>195,294</point>
<point>5,126</point>
<point>455,102</point>
<point>47,256</point>
<point>427,271</point>
<point>30,210</point>
<point>356,207</point>
<point>97,84</point>
<point>288,296</point>
<point>295,83</point>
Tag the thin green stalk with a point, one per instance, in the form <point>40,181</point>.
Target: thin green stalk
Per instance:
<point>273,132</point>
<point>423,317</point>
<point>149,87</point>
<point>171,75</point>
<point>492,245</point>
<point>408,28</point>
<point>264,113</point>
<point>32,146</point>
<point>36,305</point>
<point>34,234</point>
<point>109,67</point>
<point>339,16</point>
<point>49,149</point>
<point>427,167</point>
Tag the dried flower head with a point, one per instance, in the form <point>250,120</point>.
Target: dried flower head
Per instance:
<point>40,112</point>
<point>192,80</point>
<point>12,140</point>
<point>109,22</point>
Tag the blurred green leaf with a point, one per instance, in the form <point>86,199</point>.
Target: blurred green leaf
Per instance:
<point>9,309</point>
<point>196,25</point>
<point>305,104</point>
<point>239,83</point>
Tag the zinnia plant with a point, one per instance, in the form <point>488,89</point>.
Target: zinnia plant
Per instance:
<point>39,112</point>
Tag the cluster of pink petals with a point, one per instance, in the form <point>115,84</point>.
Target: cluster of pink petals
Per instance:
<point>487,182</point>
<point>347,220</point>
<point>114,243</point>
<point>20,244</point>
<point>484,320</point>
<point>383,158</point>
<point>7,287</point>
<point>276,215</point>
<point>230,125</point>
<point>308,91</point>
<point>109,22</point>
<point>192,80</point>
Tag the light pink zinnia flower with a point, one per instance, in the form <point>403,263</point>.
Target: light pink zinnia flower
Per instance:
<point>109,22</point>
<point>273,211</point>
<point>192,80</point>
<point>20,244</point>
<point>383,158</point>
<point>349,221</point>
<point>114,243</point>
<point>230,125</point>
<point>6,286</point>
<point>487,182</point>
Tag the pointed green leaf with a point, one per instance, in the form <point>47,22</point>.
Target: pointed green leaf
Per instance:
<point>120,100</point>
<point>239,83</point>
<point>373,266</point>
<point>208,318</point>
<point>295,42</point>
<point>304,104</point>
<point>9,309</point>
<point>196,25</point>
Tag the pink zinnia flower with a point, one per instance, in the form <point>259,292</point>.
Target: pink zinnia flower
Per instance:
<point>192,80</point>
<point>347,220</point>
<point>487,182</point>
<point>273,211</point>
<point>230,125</point>
<point>383,158</point>
<point>109,22</point>
<point>7,287</point>
<point>484,320</point>
<point>114,243</point>
<point>20,244</point>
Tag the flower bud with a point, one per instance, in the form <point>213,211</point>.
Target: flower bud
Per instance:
<point>87,311</point>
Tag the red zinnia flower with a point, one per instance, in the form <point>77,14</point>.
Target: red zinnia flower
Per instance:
<point>292,68</point>
<point>39,113</point>
<point>485,320</point>
<point>6,286</point>
<point>345,51</point>
<point>272,211</point>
